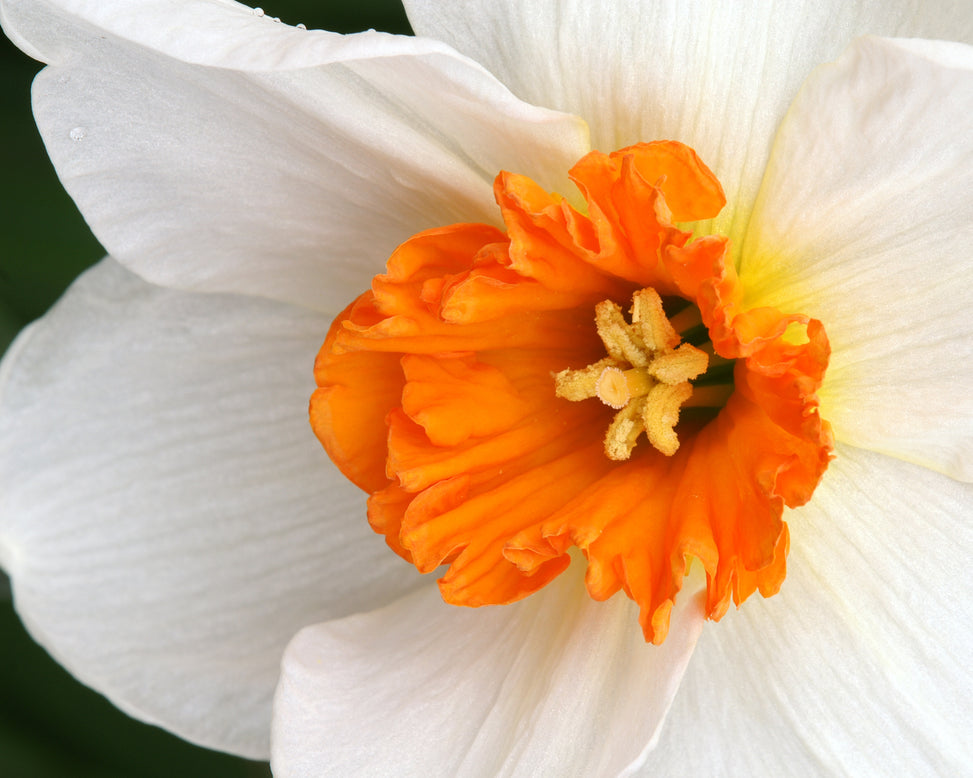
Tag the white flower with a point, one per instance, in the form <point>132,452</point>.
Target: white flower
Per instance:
<point>169,522</point>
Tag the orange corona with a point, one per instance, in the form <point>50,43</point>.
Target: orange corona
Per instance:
<point>580,379</point>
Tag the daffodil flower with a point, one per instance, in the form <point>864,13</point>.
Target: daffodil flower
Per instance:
<point>177,538</point>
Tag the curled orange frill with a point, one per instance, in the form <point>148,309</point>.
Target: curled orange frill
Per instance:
<point>436,397</point>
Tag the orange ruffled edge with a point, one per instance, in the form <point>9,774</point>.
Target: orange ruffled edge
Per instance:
<point>436,397</point>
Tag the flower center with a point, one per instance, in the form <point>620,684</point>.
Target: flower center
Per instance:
<point>435,395</point>
<point>645,377</point>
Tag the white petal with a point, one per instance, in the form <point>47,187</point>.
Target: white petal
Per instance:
<point>211,149</point>
<point>167,517</point>
<point>861,665</point>
<point>717,75</point>
<point>865,221</point>
<point>554,685</point>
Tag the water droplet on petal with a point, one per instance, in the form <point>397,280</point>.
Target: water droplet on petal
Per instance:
<point>77,133</point>
<point>258,11</point>
<point>277,19</point>
<point>301,26</point>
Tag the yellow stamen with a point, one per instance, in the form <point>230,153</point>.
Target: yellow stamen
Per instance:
<point>581,384</point>
<point>624,431</point>
<point>674,367</point>
<point>650,320</point>
<point>621,340</point>
<point>661,415</point>
<point>645,376</point>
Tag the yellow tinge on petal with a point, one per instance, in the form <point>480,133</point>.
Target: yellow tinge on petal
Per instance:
<point>579,379</point>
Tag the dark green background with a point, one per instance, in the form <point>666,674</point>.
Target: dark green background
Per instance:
<point>49,724</point>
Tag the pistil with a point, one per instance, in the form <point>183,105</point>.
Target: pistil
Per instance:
<point>616,387</point>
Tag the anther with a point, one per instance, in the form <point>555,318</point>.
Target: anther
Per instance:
<point>645,376</point>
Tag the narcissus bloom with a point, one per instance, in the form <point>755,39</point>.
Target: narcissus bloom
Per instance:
<point>664,378</point>
<point>454,391</point>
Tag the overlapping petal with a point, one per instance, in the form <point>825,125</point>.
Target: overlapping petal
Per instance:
<point>292,161</point>
<point>168,521</point>
<point>716,75</point>
<point>861,665</point>
<point>865,221</point>
<point>553,685</point>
